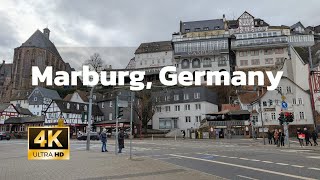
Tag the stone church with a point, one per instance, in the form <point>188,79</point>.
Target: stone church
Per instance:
<point>39,51</point>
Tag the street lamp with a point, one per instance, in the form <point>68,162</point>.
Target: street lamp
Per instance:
<point>89,118</point>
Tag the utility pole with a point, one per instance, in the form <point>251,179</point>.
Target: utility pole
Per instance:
<point>262,124</point>
<point>89,119</point>
<point>131,119</point>
<point>117,121</point>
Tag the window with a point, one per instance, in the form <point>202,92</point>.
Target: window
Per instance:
<point>269,61</point>
<point>196,63</point>
<point>207,62</point>
<point>273,116</point>
<point>279,90</point>
<point>77,106</point>
<point>102,105</point>
<point>301,115</point>
<point>255,118</point>
<point>197,29</point>
<point>267,52</point>
<point>255,53</point>
<point>110,116</point>
<point>35,99</point>
<point>198,118</point>
<point>187,107</point>
<point>176,97</point>
<point>280,60</point>
<point>94,97</point>
<point>185,96</point>
<point>279,51</point>
<point>222,61</point>
<point>185,64</point>
<point>85,107</point>
<point>158,109</point>
<point>243,62</point>
<point>288,89</point>
<point>270,102</point>
<point>300,101</point>
<point>198,106</point>
<point>177,108</point>
<point>206,28</point>
<point>157,99</point>
<point>188,119</point>
<point>264,103</point>
<point>197,95</point>
<point>110,104</point>
<point>68,105</point>
<point>167,108</point>
<point>167,98</point>
<point>255,62</point>
<point>243,53</point>
<point>187,30</point>
<point>294,101</point>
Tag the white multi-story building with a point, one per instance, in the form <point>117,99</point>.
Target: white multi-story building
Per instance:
<point>183,108</point>
<point>298,100</point>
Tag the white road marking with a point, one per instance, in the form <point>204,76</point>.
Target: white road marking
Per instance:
<point>246,167</point>
<point>283,164</point>
<point>223,156</point>
<point>246,177</point>
<point>246,159</point>
<point>269,162</point>
<point>297,166</point>
<point>314,157</point>
<point>318,169</point>
<point>232,157</point>
<point>256,160</point>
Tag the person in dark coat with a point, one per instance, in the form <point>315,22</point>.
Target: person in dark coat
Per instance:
<point>184,134</point>
<point>314,137</point>
<point>281,137</point>
<point>121,140</point>
<point>270,134</point>
<point>103,138</point>
<point>308,136</point>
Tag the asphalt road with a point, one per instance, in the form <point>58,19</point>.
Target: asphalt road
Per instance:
<point>230,159</point>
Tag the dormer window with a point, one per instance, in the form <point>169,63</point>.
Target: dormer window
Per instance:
<point>85,107</point>
<point>77,106</point>
<point>206,28</point>
<point>217,27</point>
<point>187,30</point>
<point>261,22</point>
<point>35,99</point>
<point>197,29</point>
<point>68,105</point>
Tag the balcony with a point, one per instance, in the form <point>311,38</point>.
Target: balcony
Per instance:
<point>301,40</point>
<point>260,42</point>
<point>183,37</point>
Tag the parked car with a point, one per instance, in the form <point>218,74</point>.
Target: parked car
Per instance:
<point>5,135</point>
<point>83,136</point>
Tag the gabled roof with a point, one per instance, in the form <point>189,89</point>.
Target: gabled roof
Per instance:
<point>151,47</point>
<point>304,53</point>
<point>4,106</point>
<point>47,93</point>
<point>296,25</point>
<point>39,40</point>
<point>63,106</point>
<point>22,120</point>
<point>213,24</point>
<point>23,111</point>
<point>5,69</point>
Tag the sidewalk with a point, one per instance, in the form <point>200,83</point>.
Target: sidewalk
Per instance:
<point>91,165</point>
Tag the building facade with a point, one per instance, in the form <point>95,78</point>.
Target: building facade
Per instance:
<point>183,108</point>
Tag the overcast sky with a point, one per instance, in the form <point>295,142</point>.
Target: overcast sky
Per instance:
<point>114,28</point>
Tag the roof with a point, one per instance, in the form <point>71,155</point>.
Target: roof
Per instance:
<point>23,111</point>
<point>230,107</point>
<point>250,97</point>
<point>63,106</point>
<point>151,47</point>
<point>131,64</point>
<point>296,25</point>
<point>279,27</point>
<point>113,121</point>
<point>5,69</point>
<point>21,120</point>
<point>48,93</point>
<point>231,112</point>
<point>39,40</point>
<point>4,106</point>
<point>193,26</point>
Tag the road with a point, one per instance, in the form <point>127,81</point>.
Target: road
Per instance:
<point>230,159</point>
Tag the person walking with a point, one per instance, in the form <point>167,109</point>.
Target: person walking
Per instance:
<point>183,134</point>
<point>121,140</point>
<point>276,137</point>
<point>103,138</point>
<point>281,137</point>
<point>270,136</point>
<point>314,137</point>
<point>300,136</point>
<point>308,136</point>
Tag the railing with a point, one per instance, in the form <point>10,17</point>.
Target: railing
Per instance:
<point>260,41</point>
<point>177,38</point>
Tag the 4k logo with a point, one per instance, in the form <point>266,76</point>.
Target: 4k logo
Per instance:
<point>48,143</point>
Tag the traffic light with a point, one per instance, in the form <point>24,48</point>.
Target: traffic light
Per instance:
<point>290,117</point>
<point>281,118</point>
<point>120,112</point>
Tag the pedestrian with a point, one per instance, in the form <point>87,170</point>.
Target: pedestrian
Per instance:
<point>281,137</point>
<point>276,137</point>
<point>314,137</point>
<point>270,136</point>
<point>103,138</point>
<point>183,134</point>
<point>300,136</point>
<point>121,140</point>
<point>308,136</point>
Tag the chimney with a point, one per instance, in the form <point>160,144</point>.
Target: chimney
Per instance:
<point>110,66</point>
<point>46,32</point>
<point>3,61</point>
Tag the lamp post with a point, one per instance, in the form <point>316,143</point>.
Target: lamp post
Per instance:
<point>89,119</point>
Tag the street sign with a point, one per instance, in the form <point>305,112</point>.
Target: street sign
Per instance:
<point>284,105</point>
<point>283,98</point>
<point>122,103</point>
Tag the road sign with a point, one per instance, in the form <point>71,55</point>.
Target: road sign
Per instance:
<point>284,105</point>
<point>122,103</point>
<point>283,98</point>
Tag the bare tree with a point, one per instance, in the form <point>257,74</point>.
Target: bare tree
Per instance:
<point>95,62</point>
<point>144,107</point>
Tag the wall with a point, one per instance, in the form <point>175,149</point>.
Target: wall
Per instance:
<point>156,59</point>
